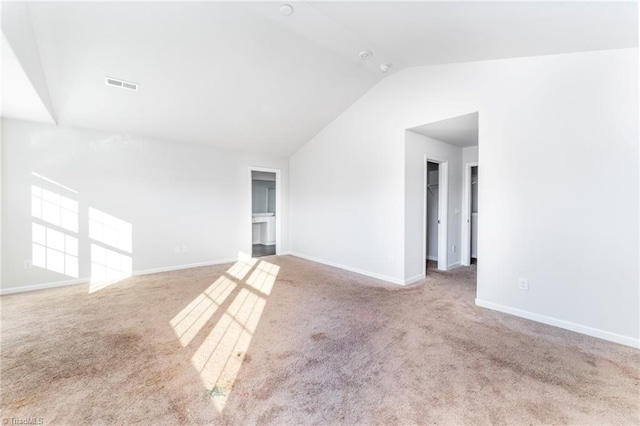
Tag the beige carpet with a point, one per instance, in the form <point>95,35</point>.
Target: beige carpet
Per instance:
<point>227,345</point>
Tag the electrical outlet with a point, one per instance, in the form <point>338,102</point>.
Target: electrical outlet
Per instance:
<point>28,264</point>
<point>185,249</point>
<point>454,248</point>
<point>523,284</point>
<point>176,250</point>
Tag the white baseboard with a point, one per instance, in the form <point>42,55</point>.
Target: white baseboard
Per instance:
<point>179,267</point>
<point>454,265</point>
<point>413,279</point>
<point>567,325</point>
<point>348,268</point>
<point>24,289</point>
<point>44,286</point>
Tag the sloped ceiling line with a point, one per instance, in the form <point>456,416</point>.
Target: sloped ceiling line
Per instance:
<point>241,76</point>
<point>18,30</point>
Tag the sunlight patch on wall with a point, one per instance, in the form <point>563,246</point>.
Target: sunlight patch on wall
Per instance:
<point>54,218</point>
<point>110,230</point>
<point>55,236</point>
<point>188,323</point>
<point>108,267</point>
<point>245,257</point>
<point>111,248</point>
<point>54,208</point>
<point>58,184</point>
<point>54,250</point>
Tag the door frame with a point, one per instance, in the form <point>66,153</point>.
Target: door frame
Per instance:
<point>443,212</point>
<point>465,255</point>
<point>278,207</point>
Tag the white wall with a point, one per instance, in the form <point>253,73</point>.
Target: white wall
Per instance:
<point>271,199</point>
<point>470,154</point>
<point>569,112</point>
<point>264,196</point>
<point>348,194</point>
<point>416,147</point>
<point>173,194</point>
<point>1,198</point>
<point>260,199</point>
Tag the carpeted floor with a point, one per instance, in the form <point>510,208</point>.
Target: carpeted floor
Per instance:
<point>228,345</point>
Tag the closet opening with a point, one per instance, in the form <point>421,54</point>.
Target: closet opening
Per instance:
<point>440,150</point>
<point>470,215</point>
<point>474,215</point>
<point>432,215</point>
<point>436,207</point>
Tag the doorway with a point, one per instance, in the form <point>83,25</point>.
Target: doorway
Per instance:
<point>432,214</point>
<point>470,215</point>
<point>265,223</point>
<point>436,211</point>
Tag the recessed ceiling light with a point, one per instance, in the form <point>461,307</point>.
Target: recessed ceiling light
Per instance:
<point>385,67</point>
<point>365,54</point>
<point>286,9</point>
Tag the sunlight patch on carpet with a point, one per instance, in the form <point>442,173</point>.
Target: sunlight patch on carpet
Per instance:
<point>188,323</point>
<point>263,277</point>
<point>219,358</point>
<point>240,269</point>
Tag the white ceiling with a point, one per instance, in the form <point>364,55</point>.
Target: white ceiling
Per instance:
<point>19,98</point>
<point>240,76</point>
<point>427,33</point>
<point>461,131</point>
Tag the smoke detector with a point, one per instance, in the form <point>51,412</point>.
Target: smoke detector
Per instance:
<point>286,10</point>
<point>365,54</point>
<point>116,82</point>
<point>385,67</point>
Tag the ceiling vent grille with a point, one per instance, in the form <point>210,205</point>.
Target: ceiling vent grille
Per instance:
<point>116,82</point>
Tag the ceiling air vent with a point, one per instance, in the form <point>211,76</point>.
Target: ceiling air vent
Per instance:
<point>110,81</point>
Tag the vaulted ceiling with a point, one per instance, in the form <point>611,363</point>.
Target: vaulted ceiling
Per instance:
<point>460,131</point>
<point>243,76</point>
